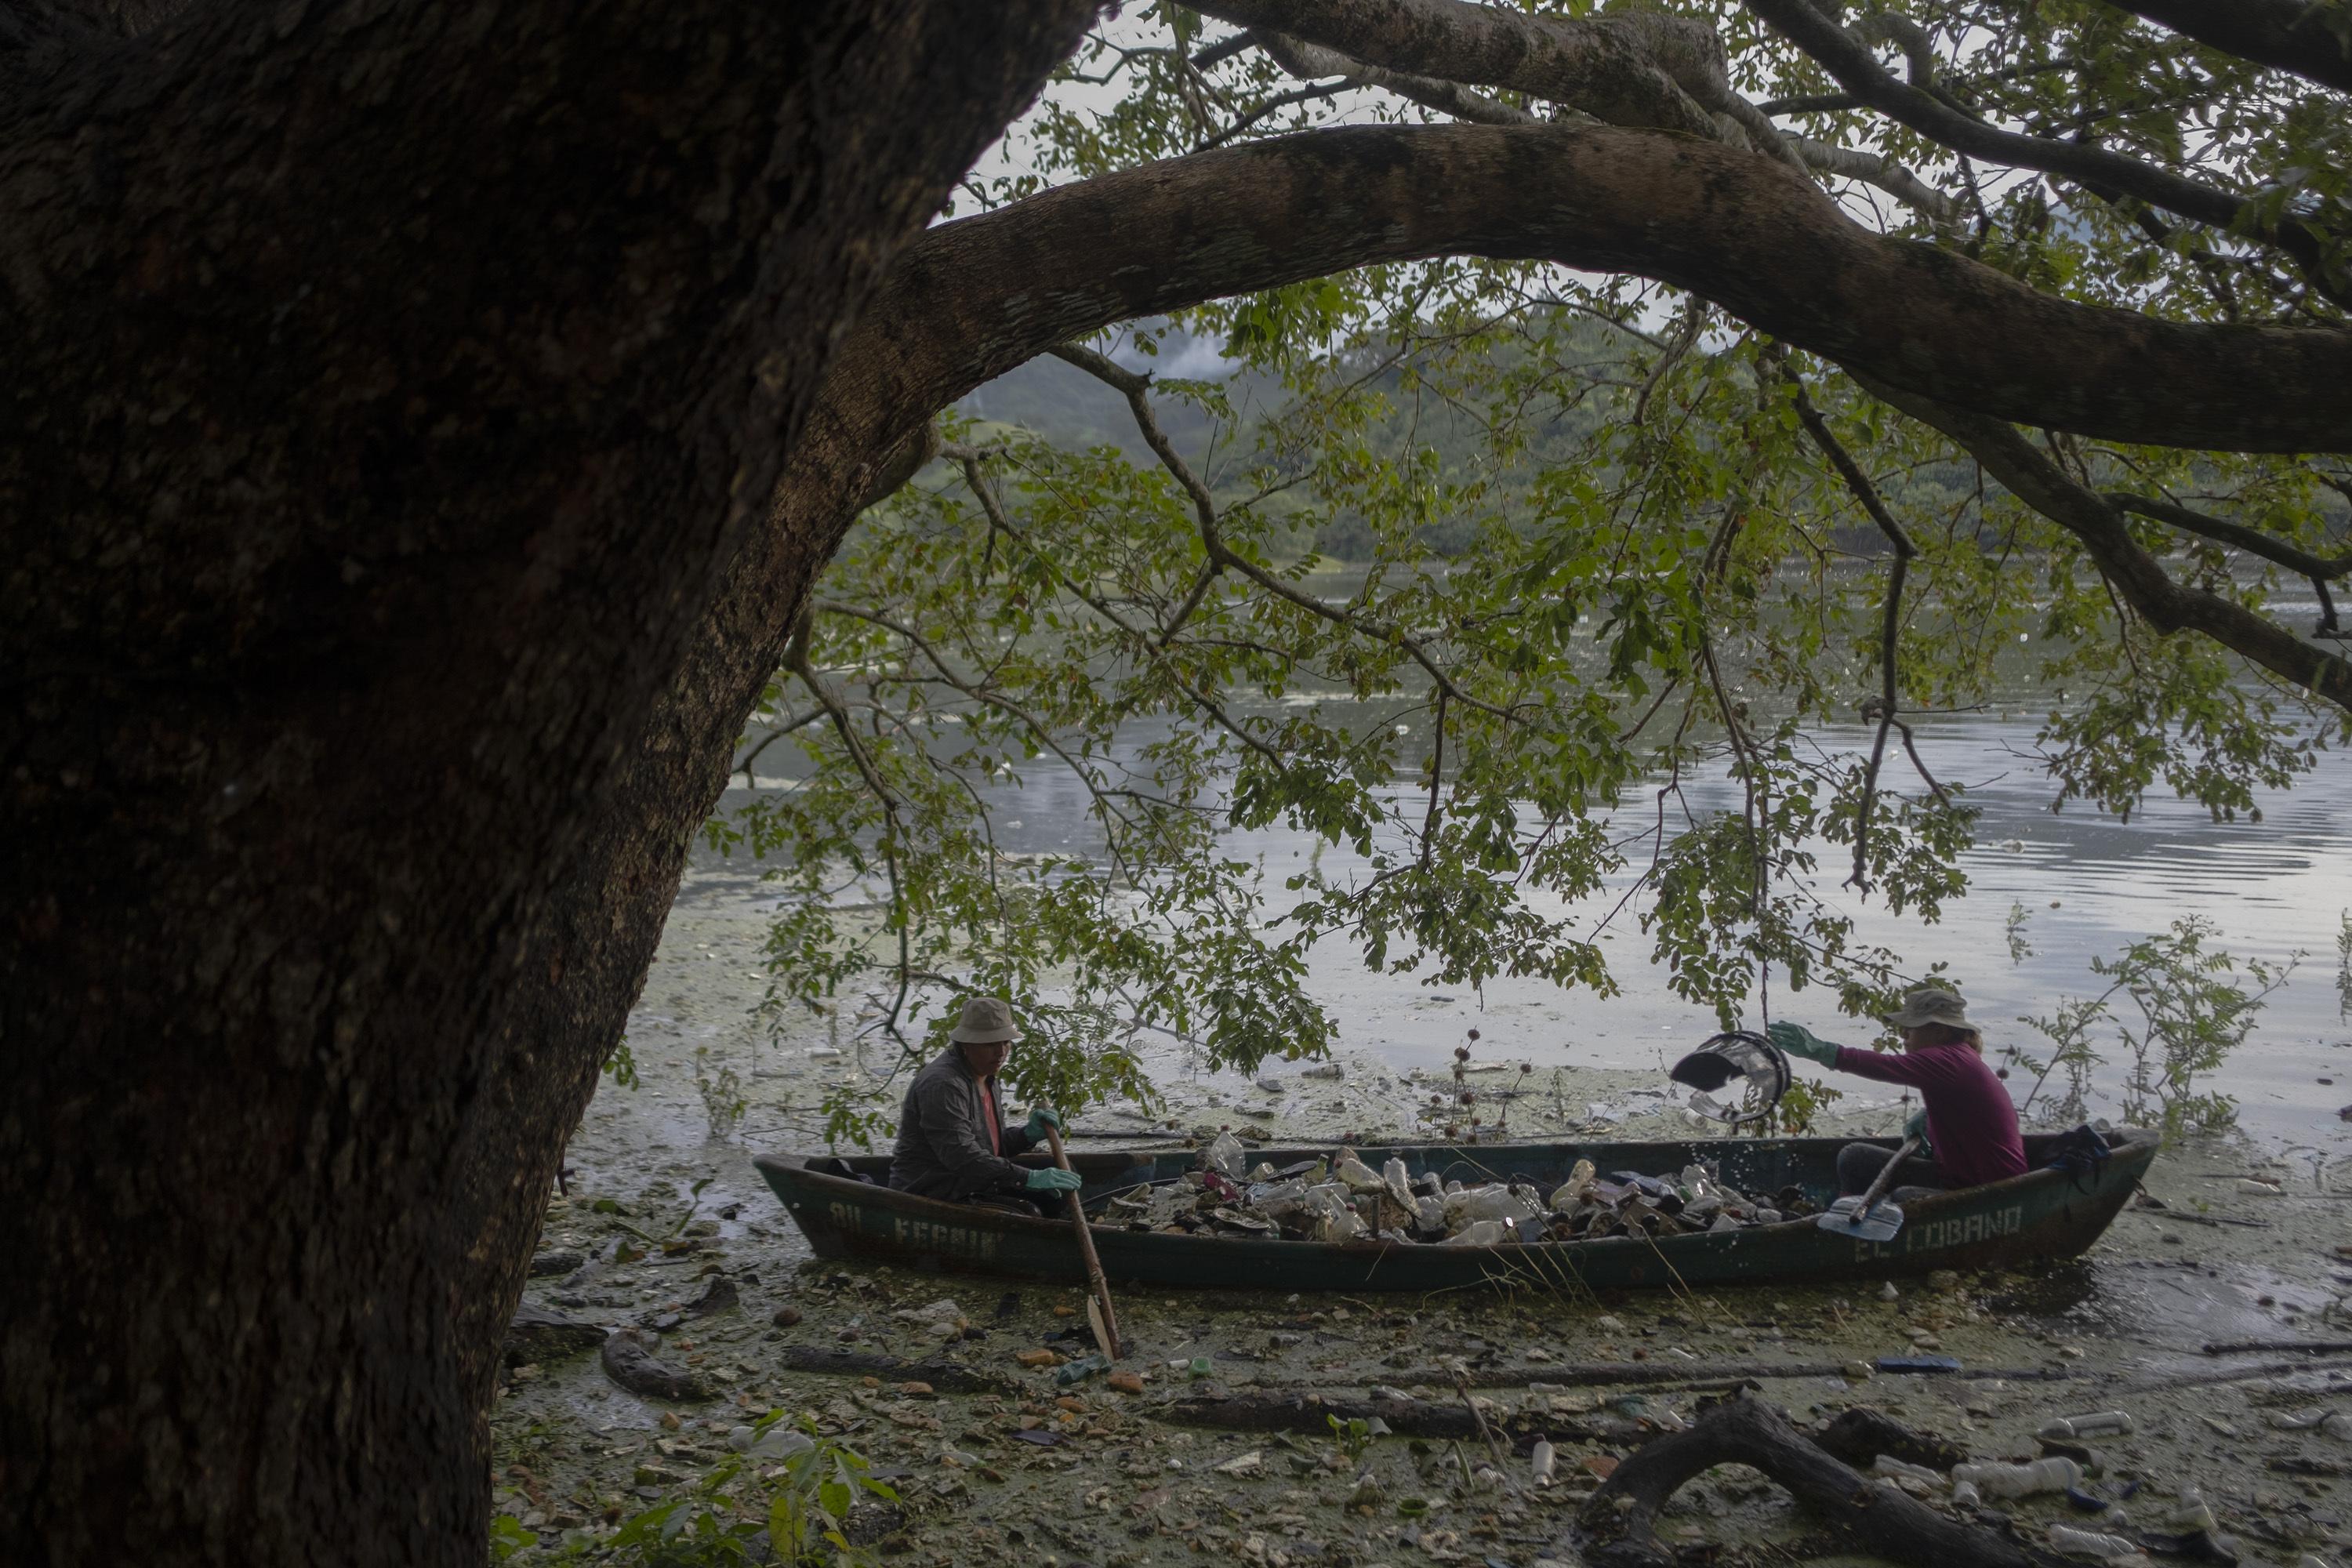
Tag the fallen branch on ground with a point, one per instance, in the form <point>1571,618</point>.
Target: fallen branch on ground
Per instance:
<point>1618,1528</point>
<point>1313,1414</point>
<point>1861,1435</point>
<point>2234,1374</point>
<point>952,1376</point>
<point>1689,1374</point>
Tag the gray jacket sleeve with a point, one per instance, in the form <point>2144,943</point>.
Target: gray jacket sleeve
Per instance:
<point>945,1113</point>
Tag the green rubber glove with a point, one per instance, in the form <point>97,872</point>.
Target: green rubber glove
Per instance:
<point>1039,1120</point>
<point>1051,1180</point>
<point>1799,1041</point>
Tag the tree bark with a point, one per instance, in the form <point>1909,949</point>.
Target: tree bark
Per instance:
<point>975,297</point>
<point>394,385</point>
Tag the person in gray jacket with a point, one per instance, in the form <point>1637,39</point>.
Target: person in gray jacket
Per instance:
<point>952,1139</point>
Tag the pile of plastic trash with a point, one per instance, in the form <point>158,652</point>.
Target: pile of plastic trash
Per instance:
<point>1343,1199</point>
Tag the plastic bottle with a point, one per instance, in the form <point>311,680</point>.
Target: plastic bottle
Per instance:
<point>1964,1494</point>
<point>1888,1465</point>
<point>776,1443</point>
<point>2192,1513</point>
<point>1335,1216</point>
<point>1478,1232</point>
<point>1569,1194</point>
<point>2053,1474</point>
<point>1400,1185</point>
<point>1429,1214</point>
<point>1358,1176</point>
<point>2097,1424</point>
<point>1225,1156</point>
<point>1489,1203</point>
<point>2090,1543</point>
<point>1543,1458</point>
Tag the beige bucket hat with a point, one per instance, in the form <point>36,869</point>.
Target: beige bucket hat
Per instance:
<point>1933,1004</point>
<point>985,1021</point>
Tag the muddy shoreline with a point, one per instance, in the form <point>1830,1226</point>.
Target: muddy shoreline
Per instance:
<point>1103,1476</point>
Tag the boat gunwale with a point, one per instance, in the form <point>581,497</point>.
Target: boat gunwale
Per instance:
<point>795,1168</point>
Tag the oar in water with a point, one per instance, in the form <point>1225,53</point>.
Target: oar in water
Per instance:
<point>1099,1315</point>
<point>1865,1218</point>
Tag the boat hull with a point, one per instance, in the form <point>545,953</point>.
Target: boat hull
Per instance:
<point>2043,1214</point>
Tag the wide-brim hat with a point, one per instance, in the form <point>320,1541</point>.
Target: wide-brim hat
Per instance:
<point>1933,1004</point>
<point>985,1021</point>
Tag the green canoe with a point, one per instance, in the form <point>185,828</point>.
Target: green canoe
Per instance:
<point>2045,1213</point>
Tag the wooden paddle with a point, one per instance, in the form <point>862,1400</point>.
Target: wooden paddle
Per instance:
<point>1104,1321</point>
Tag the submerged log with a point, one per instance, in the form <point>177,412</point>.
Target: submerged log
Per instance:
<point>1618,1529</point>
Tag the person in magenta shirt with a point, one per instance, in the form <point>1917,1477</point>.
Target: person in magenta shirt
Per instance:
<point>1970,1122</point>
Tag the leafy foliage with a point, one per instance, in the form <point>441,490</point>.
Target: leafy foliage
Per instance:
<point>796,1513</point>
<point>2175,1007</point>
<point>1619,575</point>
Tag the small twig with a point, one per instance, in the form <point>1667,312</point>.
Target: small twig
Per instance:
<point>1866,494</point>
<point>1436,776</point>
<point>1502,1464</point>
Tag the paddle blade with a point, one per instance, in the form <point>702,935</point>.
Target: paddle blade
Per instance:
<point>1102,1334</point>
<point>1882,1221</point>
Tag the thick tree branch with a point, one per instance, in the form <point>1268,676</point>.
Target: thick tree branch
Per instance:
<point>2309,37</point>
<point>2136,576</point>
<point>1871,169</point>
<point>1301,59</point>
<point>974,298</point>
<point>1608,68</point>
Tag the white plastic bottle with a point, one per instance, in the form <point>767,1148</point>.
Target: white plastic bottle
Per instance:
<point>2098,1424</point>
<point>2054,1474</point>
<point>2090,1544</point>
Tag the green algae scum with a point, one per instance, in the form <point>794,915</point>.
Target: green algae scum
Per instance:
<point>2044,1214</point>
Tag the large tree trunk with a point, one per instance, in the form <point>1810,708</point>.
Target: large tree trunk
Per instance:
<point>392,387</point>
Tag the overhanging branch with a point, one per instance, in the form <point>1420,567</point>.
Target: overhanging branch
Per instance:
<point>2135,576</point>
<point>1852,64</point>
<point>1605,66</point>
<point>2222,531</point>
<point>974,298</point>
<point>2308,37</point>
